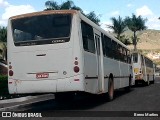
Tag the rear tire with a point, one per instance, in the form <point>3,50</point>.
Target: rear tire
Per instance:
<point>110,89</point>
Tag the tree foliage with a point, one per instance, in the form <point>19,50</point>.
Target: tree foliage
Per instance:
<point>135,24</point>
<point>93,17</point>
<point>118,26</point>
<point>3,34</point>
<point>69,5</point>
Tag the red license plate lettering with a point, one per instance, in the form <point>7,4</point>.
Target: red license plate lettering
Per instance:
<point>42,75</point>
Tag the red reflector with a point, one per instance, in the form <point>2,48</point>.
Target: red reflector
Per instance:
<point>10,73</point>
<point>10,82</point>
<point>76,69</point>
<point>76,79</point>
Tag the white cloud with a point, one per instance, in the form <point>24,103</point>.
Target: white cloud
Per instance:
<point>129,5</point>
<point>115,13</point>
<point>3,23</point>
<point>12,10</point>
<point>104,25</point>
<point>152,20</point>
<point>86,12</point>
<point>153,23</point>
<point>144,11</point>
<point>3,3</point>
<point>16,10</point>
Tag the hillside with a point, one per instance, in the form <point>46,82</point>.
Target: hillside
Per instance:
<point>148,43</point>
<point>148,39</point>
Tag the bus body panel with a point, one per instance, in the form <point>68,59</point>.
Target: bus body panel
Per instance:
<point>111,66</point>
<point>142,70</point>
<point>50,67</point>
<point>90,72</point>
<point>37,64</point>
<point>125,70</point>
<point>55,61</point>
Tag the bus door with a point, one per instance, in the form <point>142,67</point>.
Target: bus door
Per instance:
<point>99,54</point>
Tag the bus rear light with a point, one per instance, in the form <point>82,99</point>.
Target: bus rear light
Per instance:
<point>10,82</point>
<point>76,62</point>
<point>76,69</point>
<point>76,58</point>
<point>11,73</point>
<point>76,79</point>
<point>10,67</point>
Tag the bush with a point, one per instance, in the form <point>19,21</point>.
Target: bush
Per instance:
<point>4,93</point>
<point>4,87</point>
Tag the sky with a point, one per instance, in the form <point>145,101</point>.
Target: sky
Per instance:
<point>105,9</point>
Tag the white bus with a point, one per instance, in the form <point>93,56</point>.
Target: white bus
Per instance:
<point>64,52</point>
<point>143,69</point>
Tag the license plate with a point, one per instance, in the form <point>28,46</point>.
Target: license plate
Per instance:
<point>42,75</point>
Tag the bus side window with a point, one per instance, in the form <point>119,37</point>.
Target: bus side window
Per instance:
<point>88,37</point>
<point>125,55</point>
<point>120,52</point>
<point>115,49</point>
<point>128,57</point>
<point>142,60</point>
<point>103,44</point>
<point>107,48</point>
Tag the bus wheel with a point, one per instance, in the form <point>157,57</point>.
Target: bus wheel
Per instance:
<point>110,89</point>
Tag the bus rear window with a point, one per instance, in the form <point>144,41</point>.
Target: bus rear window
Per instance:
<point>43,29</point>
<point>135,57</point>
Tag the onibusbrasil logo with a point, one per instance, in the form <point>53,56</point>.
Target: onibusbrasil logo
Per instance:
<point>16,114</point>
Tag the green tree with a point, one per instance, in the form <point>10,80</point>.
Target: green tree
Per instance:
<point>52,5</point>
<point>69,5</point>
<point>135,24</point>
<point>93,17</point>
<point>118,26</point>
<point>3,34</point>
<point>125,40</point>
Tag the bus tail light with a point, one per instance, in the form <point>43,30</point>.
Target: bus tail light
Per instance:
<point>11,72</point>
<point>76,62</point>
<point>76,69</point>
<point>10,67</point>
<point>10,82</point>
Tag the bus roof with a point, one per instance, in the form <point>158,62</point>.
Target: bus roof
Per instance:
<point>44,13</point>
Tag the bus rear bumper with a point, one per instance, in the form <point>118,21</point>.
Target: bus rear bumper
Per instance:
<point>75,83</point>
